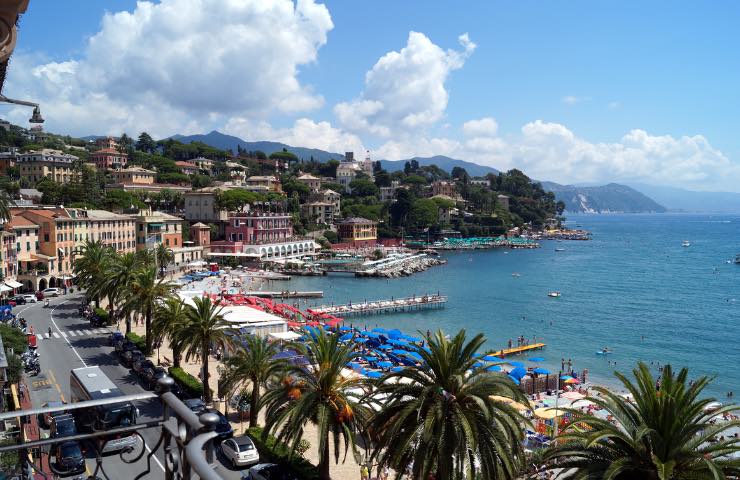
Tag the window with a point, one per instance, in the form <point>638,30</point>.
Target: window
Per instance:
<point>167,242</point>
<point>28,246</point>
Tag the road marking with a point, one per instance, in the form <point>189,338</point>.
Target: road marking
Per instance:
<point>56,335</point>
<point>64,335</point>
<point>87,332</point>
<point>39,336</point>
<point>51,318</point>
<point>70,333</point>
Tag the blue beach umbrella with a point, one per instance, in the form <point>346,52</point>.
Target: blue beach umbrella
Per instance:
<point>515,380</point>
<point>374,375</point>
<point>346,337</point>
<point>415,356</point>
<point>380,330</point>
<point>518,372</point>
<point>491,358</point>
<point>385,364</point>
<point>493,368</point>
<point>411,339</point>
<point>479,365</point>
<point>397,369</point>
<point>516,364</point>
<point>536,359</point>
<point>541,371</point>
<point>344,328</point>
<point>398,351</point>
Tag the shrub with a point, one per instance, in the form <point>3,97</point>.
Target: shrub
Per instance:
<point>138,340</point>
<point>103,315</point>
<point>271,450</point>
<point>189,383</point>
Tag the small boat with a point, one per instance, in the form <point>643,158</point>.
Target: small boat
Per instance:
<point>554,294</point>
<point>737,259</point>
<point>686,243</point>
<point>559,249</point>
<point>515,274</point>
<point>604,352</point>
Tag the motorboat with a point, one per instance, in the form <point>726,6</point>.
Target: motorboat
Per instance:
<point>686,243</point>
<point>515,274</point>
<point>737,259</point>
<point>559,249</point>
<point>554,294</point>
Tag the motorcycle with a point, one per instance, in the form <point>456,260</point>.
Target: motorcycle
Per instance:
<point>46,303</point>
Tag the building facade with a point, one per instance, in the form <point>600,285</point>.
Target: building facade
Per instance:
<point>313,183</point>
<point>319,212</point>
<point>358,231</point>
<point>108,158</point>
<point>36,165</point>
<point>255,228</point>
<point>134,175</point>
<point>153,228</point>
<point>202,206</point>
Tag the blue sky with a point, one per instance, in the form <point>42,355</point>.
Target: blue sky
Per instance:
<point>577,91</point>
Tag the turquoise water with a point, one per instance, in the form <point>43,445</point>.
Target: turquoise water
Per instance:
<point>633,280</point>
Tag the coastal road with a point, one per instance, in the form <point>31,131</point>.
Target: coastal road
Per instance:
<point>74,344</point>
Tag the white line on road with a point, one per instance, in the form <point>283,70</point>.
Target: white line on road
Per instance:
<point>39,336</point>
<point>87,332</point>
<point>51,318</point>
<point>70,333</point>
<point>55,334</point>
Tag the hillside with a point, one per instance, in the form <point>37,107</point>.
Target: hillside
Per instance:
<point>609,198</point>
<point>678,199</point>
<point>445,163</point>
<point>229,142</point>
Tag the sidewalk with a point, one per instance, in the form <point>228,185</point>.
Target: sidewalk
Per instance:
<point>31,429</point>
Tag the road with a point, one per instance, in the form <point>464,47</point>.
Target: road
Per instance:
<point>74,344</point>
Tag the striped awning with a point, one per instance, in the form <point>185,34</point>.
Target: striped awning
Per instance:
<point>13,284</point>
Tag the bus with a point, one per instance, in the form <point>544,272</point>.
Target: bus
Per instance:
<point>90,383</point>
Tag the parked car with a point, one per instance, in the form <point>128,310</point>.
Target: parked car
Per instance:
<point>223,428</point>
<point>240,451</point>
<point>30,298</point>
<point>52,292</point>
<point>19,300</point>
<point>69,458</point>
<point>141,364</point>
<point>195,404</point>
<point>129,357</point>
<point>270,471</point>
<point>63,426</point>
<point>47,418</point>
<point>115,337</point>
<point>124,344</point>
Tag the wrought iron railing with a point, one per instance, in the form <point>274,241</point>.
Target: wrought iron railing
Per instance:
<point>186,440</point>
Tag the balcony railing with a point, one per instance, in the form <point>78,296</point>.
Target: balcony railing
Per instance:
<point>185,438</point>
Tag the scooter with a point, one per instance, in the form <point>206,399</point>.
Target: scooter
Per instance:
<point>46,303</point>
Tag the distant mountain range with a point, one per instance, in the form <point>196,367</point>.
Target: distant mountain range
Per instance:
<point>609,198</point>
<point>445,163</point>
<point>680,200</point>
<point>230,142</point>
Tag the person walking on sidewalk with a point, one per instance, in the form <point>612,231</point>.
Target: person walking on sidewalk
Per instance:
<point>49,331</point>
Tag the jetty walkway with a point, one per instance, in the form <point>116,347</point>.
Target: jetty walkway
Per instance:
<point>395,305</point>
<point>516,350</point>
<point>283,294</point>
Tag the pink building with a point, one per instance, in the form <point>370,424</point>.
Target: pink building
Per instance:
<point>108,158</point>
<point>255,228</point>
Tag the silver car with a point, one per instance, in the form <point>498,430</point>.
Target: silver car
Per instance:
<point>240,451</point>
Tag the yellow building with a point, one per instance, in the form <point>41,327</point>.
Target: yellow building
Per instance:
<point>47,163</point>
<point>358,231</point>
<point>134,176</point>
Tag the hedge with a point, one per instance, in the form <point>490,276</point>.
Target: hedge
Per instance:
<point>103,315</point>
<point>138,340</point>
<point>271,450</point>
<point>189,383</point>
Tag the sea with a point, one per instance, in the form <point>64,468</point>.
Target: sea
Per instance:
<point>633,288</point>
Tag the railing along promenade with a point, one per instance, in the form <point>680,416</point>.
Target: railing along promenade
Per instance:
<point>186,440</point>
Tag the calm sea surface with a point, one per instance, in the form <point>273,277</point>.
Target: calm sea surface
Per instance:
<point>633,288</point>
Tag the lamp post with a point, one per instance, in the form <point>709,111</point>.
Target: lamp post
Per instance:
<point>35,117</point>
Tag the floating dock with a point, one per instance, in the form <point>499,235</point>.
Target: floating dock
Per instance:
<point>285,294</point>
<point>396,305</point>
<point>516,350</point>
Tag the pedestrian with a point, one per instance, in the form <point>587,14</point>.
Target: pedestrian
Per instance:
<point>364,473</point>
<point>49,331</point>
<point>385,473</point>
<point>562,364</point>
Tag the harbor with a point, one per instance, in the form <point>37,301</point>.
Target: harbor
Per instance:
<point>397,305</point>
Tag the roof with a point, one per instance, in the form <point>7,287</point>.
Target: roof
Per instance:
<point>356,220</point>
<point>20,222</point>
<point>180,163</point>
<point>105,214</point>
<point>330,191</point>
<point>257,178</point>
<point>308,176</point>
<point>200,225</point>
<point>108,151</point>
<point>30,192</point>
<point>136,170</point>
<point>43,212</point>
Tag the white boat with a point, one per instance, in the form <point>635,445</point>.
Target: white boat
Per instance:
<point>686,243</point>
<point>559,249</point>
<point>737,258</point>
<point>553,294</point>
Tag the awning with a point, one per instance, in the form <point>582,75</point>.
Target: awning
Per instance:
<point>197,263</point>
<point>4,288</point>
<point>288,336</point>
<point>13,284</point>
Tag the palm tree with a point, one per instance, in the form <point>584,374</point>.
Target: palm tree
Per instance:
<point>321,395</point>
<point>255,363</point>
<point>5,203</point>
<point>170,318</point>
<point>205,327</point>
<point>442,417</point>
<point>164,256</point>
<point>119,273</point>
<point>144,291</point>
<point>665,433</point>
<point>89,266</point>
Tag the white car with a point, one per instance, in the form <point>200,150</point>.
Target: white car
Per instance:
<point>240,451</point>
<point>51,292</point>
<point>29,298</point>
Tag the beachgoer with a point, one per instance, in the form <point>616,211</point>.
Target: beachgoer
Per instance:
<point>364,473</point>
<point>562,364</point>
<point>385,473</point>
<point>49,331</point>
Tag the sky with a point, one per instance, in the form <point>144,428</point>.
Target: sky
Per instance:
<point>568,91</point>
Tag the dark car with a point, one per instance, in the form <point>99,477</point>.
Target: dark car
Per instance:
<point>63,426</point>
<point>223,428</point>
<point>141,364</point>
<point>130,356</point>
<point>151,375</point>
<point>47,418</point>
<point>195,404</point>
<point>124,344</point>
<point>18,300</point>
<point>69,458</point>
<point>270,471</point>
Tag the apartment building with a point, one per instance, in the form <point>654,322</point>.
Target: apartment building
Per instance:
<point>35,165</point>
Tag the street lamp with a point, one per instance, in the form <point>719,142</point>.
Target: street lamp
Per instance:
<point>35,117</point>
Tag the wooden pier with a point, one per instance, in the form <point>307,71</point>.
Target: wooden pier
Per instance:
<point>396,305</point>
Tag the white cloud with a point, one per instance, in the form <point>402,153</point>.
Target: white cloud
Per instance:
<point>613,105</point>
<point>405,90</point>
<point>304,133</point>
<point>572,99</point>
<point>482,127</point>
<point>164,63</point>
